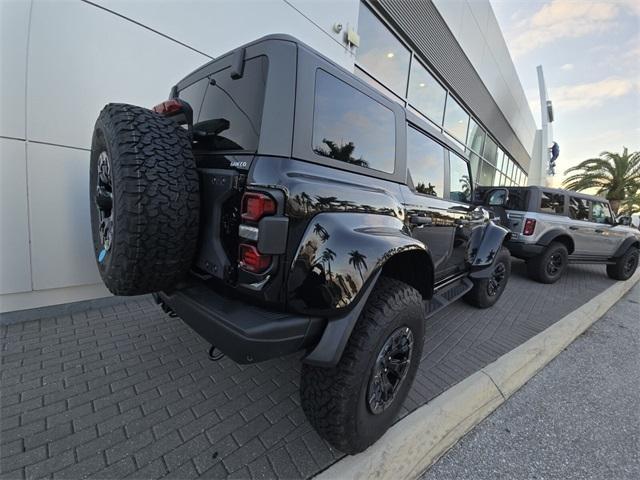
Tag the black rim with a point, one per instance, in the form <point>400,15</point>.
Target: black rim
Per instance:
<point>554,265</point>
<point>390,370</point>
<point>630,265</point>
<point>104,204</point>
<point>496,280</point>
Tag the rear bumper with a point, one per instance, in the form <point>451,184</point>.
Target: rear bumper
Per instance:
<point>524,250</point>
<point>243,332</point>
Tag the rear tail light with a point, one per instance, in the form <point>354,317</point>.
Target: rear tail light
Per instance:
<point>529,226</point>
<point>257,205</point>
<point>169,107</point>
<point>252,260</point>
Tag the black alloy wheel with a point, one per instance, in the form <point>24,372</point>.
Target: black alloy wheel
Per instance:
<point>496,281</point>
<point>630,265</point>
<point>104,204</point>
<point>555,264</point>
<point>390,370</point>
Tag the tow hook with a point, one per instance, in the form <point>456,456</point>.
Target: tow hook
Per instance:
<point>213,356</point>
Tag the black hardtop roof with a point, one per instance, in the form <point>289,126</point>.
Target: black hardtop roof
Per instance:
<point>410,116</point>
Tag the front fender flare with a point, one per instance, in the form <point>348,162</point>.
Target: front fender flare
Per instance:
<point>484,244</point>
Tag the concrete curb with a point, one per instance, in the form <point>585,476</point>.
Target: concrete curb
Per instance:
<point>419,439</point>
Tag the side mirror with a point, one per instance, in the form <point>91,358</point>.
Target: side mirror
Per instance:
<point>498,197</point>
<point>626,221</point>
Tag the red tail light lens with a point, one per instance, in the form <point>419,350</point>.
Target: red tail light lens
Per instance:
<point>257,205</point>
<point>529,226</point>
<point>168,108</point>
<point>252,260</point>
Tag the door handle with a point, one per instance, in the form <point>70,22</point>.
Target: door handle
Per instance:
<point>420,220</point>
<point>573,228</point>
<point>599,230</point>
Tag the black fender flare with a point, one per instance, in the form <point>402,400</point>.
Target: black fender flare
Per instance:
<point>624,246</point>
<point>379,241</point>
<point>484,244</point>
<point>340,252</point>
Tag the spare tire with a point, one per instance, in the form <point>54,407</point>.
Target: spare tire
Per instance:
<point>144,200</point>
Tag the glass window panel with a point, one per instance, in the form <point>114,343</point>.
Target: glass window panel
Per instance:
<point>475,165</point>
<point>490,152</point>
<point>425,161</point>
<point>231,111</point>
<point>579,208</point>
<point>425,93</point>
<point>459,181</point>
<point>352,127</point>
<point>501,180</point>
<point>552,203</point>
<point>475,139</point>
<point>378,86</point>
<point>456,120</point>
<point>487,174</point>
<point>525,179</point>
<point>600,212</point>
<point>381,53</point>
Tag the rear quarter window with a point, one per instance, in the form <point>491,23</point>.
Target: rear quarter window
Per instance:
<point>349,126</point>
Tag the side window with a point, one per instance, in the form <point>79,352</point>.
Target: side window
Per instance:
<point>579,208</point>
<point>599,212</point>
<point>459,179</point>
<point>425,161</point>
<point>352,127</point>
<point>552,203</point>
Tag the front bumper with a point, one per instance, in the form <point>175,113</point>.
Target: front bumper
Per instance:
<point>243,332</point>
<point>523,250</point>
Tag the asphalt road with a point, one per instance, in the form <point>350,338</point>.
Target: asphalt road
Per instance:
<point>579,418</point>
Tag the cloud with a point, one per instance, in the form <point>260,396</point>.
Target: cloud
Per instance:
<point>568,19</point>
<point>567,67</point>
<point>570,98</point>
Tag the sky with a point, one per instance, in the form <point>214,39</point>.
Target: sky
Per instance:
<point>590,53</point>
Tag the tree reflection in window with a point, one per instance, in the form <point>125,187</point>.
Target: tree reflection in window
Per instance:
<point>351,126</point>
<point>340,152</point>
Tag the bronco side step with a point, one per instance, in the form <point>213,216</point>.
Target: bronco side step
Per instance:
<point>446,295</point>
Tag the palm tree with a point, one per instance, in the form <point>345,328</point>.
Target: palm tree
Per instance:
<point>357,260</point>
<point>321,232</point>
<point>612,175</point>
<point>631,203</point>
<point>327,257</point>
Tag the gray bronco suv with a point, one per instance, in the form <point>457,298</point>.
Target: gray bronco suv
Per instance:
<point>551,228</point>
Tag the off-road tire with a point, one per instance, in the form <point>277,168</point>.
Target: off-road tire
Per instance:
<point>155,200</point>
<point>625,266</point>
<point>485,293</point>
<point>538,266</point>
<point>335,399</point>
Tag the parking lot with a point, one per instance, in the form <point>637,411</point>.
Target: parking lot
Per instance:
<point>128,391</point>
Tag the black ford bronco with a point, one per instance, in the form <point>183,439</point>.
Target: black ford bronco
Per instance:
<point>279,204</point>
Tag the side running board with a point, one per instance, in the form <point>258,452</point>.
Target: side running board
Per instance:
<point>447,295</point>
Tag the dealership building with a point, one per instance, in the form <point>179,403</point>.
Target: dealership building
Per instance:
<point>62,61</point>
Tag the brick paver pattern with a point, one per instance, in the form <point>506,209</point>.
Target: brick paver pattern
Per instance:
<point>127,391</point>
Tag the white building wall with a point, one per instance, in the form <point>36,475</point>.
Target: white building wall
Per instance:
<point>476,28</point>
<point>61,62</point>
